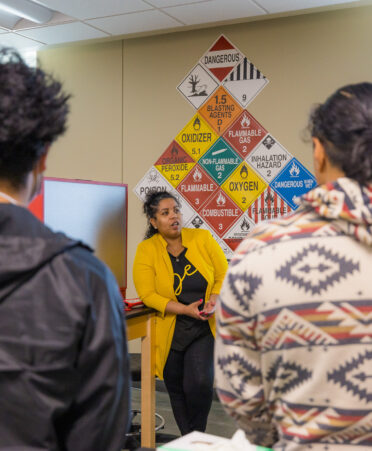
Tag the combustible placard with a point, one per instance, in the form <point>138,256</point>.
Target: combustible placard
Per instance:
<point>220,110</point>
<point>196,137</point>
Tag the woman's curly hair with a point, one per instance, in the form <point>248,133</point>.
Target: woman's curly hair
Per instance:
<point>33,113</point>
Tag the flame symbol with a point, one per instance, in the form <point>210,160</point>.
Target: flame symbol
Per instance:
<point>269,198</point>
<point>221,200</point>
<point>245,122</point>
<point>245,226</point>
<point>243,172</point>
<point>197,175</point>
<point>174,152</point>
<point>294,171</point>
<point>196,124</point>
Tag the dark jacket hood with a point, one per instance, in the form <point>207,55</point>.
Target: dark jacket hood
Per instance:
<point>24,249</point>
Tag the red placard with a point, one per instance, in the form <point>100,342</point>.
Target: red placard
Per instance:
<point>197,187</point>
<point>220,212</point>
<point>268,206</point>
<point>244,134</point>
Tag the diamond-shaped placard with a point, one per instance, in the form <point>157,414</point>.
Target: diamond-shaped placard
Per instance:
<point>220,161</point>
<point>238,231</point>
<point>174,164</point>
<point>196,137</point>
<point>293,181</point>
<point>220,110</point>
<point>220,212</point>
<point>197,86</point>
<point>197,187</point>
<point>269,158</point>
<point>151,181</point>
<point>187,211</point>
<point>244,185</point>
<point>244,134</point>
<point>221,58</point>
<point>244,82</point>
<point>268,206</point>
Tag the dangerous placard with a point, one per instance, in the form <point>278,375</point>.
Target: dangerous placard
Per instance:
<point>197,187</point>
<point>238,231</point>
<point>268,206</point>
<point>244,185</point>
<point>220,110</point>
<point>244,134</point>
<point>197,86</point>
<point>220,161</point>
<point>293,181</point>
<point>152,181</point>
<point>174,164</point>
<point>220,212</point>
<point>269,158</point>
<point>244,82</point>
<point>196,137</point>
<point>221,58</point>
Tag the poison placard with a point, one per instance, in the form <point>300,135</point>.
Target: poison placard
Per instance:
<point>151,181</point>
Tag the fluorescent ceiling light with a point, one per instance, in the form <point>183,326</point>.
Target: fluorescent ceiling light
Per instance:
<point>27,10</point>
<point>8,20</point>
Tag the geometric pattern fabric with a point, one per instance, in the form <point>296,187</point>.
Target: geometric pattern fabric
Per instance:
<point>227,169</point>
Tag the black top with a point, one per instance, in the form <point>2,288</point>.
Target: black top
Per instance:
<point>189,286</point>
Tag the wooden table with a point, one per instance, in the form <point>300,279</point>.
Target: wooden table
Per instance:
<point>141,324</point>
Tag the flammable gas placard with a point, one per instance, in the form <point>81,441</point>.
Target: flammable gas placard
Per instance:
<point>197,187</point>
<point>244,185</point>
<point>220,110</point>
<point>244,134</point>
<point>174,164</point>
<point>196,137</point>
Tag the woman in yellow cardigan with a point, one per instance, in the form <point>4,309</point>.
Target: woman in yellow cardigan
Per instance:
<point>179,272</point>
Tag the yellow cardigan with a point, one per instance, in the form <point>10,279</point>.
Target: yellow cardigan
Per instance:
<point>153,278</point>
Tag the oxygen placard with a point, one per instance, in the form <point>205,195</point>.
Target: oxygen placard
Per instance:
<point>244,186</point>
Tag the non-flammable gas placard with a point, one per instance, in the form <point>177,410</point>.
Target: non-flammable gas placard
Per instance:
<point>196,137</point>
<point>220,161</point>
<point>174,164</point>
<point>220,110</point>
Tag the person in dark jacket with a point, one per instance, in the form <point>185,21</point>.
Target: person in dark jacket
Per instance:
<point>64,372</point>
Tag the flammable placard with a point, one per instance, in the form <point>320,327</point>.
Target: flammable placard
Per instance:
<point>244,185</point>
<point>197,187</point>
<point>197,137</point>
<point>174,164</point>
<point>268,206</point>
<point>220,212</point>
<point>220,110</point>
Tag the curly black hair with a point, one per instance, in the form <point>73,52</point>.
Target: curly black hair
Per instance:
<point>33,113</point>
<point>150,207</point>
<point>343,124</point>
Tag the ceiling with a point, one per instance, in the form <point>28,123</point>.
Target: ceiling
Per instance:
<point>81,20</point>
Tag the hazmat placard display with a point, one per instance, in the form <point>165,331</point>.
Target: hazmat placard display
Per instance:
<point>227,170</point>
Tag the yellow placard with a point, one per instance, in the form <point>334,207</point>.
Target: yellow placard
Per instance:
<point>175,173</point>
<point>244,185</point>
<point>197,137</point>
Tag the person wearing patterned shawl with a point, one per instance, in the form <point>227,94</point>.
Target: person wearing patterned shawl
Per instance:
<point>293,353</point>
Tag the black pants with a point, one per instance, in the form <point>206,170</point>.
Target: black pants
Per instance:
<point>188,377</point>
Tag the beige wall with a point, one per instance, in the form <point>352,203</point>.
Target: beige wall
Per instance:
<point>126,108</point>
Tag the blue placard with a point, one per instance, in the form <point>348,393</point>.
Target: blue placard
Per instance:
<point>293,181</point>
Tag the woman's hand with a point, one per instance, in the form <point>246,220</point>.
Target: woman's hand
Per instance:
<point>193,310</point>
<point>208,310</point>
